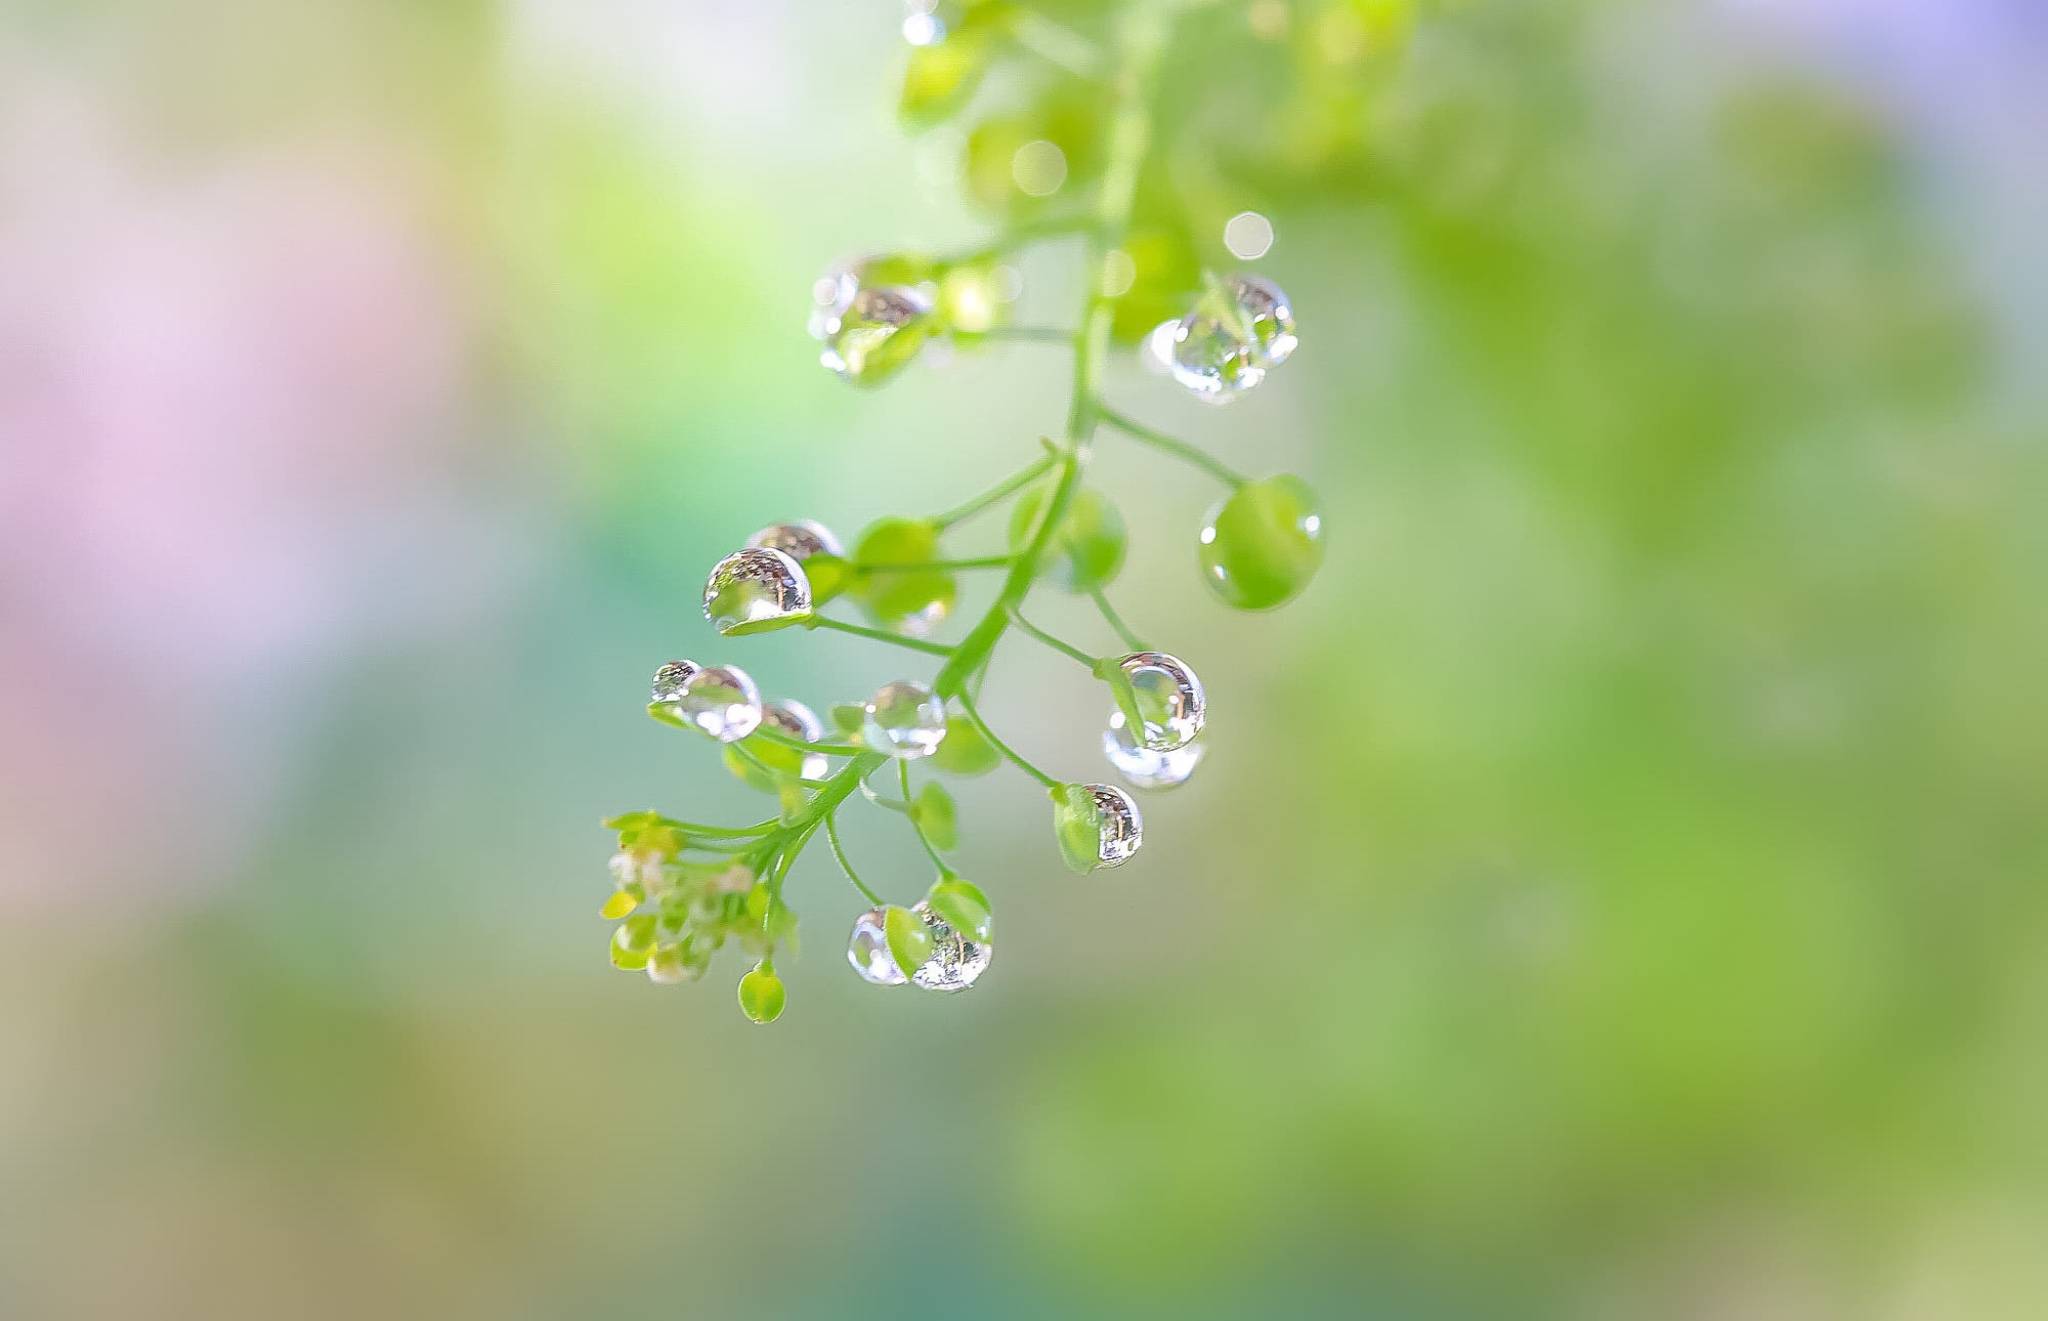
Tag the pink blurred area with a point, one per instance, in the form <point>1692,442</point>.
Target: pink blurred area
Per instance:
<point>236,406</point>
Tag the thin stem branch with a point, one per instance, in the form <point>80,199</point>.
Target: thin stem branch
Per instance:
<point>1001,491</point>
<point>774,735</point>
<point>972,562</point>
<point>1179,449</point>
<point>973,714</point>
<point>1038,334</point>
<point>839,853</point>
<point>1064,648</point>
<point>879,635</point>
<point>945,870</point>
<point>1116,621</point>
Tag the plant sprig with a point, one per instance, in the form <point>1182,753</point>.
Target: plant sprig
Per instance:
<point>683,889</point>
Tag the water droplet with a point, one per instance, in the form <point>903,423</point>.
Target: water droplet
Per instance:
<point>1226,345</point>
<point>867,949</point>
<point>799,722</point>
<point>799,540</point>
<point>754,590</point>
<point>1142,767</point>
<point>955,963</point>
<point>904,720</point>
<point>1097,825</point>
<point>1262,544</point>
<point>669,680</point>
<point>721,702</point>
<point>869,333</point>
<point>1121,825</point>
<point>1170,699</point>
<point>1270,315</point>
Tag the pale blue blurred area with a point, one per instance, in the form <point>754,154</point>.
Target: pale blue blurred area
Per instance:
<point>1612,891</point>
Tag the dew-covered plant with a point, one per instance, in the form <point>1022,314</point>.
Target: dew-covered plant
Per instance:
<point>1074,156</point>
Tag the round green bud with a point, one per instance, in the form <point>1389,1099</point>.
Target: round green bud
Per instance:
<point>633,942</point>
<point>762,994</point>
<point>888,582</point>
<point>1088,546</point>
<point>1261,545</point>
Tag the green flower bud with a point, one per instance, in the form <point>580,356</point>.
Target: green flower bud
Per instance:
<point>761,993</point>
<point>895,596</point>
<point>1088,546</point>
<point>1262,544</point>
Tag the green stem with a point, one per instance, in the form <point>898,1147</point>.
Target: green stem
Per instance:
<point>1142,40</point>
<point>1038,334</point>
<point>973,714</point>
<point>1001,491</point>
<point>839,853</point>
<point>879,635</point>
<point>1179,449</point>
<point>973,562</point>
<point>1116,621</point>
<point>774,735</point>
<point>1065,649</point>
<point>945,872</point>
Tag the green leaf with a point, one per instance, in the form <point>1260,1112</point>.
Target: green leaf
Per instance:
<point>892,594</point>
<point>964,908</point>
<point>1260,546</point>
<point>1088,546</point>
<point>910,941</point>
<point>847,718</point>
<point>964,751</point>
<point>762,995</point>
<point>936,817</point>
<point>1077,826</point>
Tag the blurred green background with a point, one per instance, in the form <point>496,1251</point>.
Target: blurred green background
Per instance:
<point>1615,889</point>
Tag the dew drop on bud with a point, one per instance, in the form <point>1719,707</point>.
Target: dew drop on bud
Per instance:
<point>1098,825</point>
<point>1170,699</point>
<point>669,681</point>
<point>799,540</point>
<point>904,719</point>
<point>1237,333</point>
<point>721,702</point>
<point>867,949</point>
<point>869,332</point>
<point>754,590</point>
<point>1141,767</point>
<point>956,962</point>
<point>799,722</point>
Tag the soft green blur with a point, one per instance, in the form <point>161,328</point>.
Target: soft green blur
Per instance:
<point>1615,886</point>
